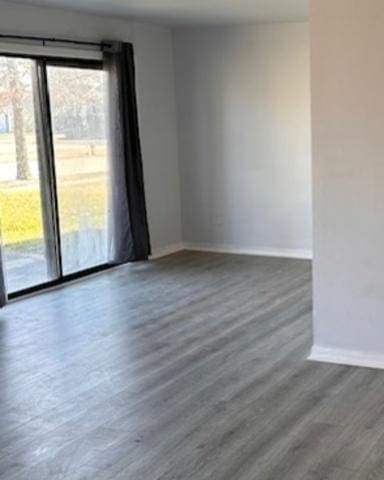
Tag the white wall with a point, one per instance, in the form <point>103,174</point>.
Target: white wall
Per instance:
<point>156,99</point>
<point>348,174</point>
<point>244,136</point>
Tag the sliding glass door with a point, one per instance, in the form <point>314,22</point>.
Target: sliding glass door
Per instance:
<point>78,112</point>
<point>54,173</point>
<point>25,240</point>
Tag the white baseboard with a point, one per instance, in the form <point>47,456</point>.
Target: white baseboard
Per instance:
<point>346,357</point>
<point>167,250</point>
<point>258,251</point>
<point>233,249</point>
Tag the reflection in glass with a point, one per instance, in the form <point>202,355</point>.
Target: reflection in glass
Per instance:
<point>78,111</point>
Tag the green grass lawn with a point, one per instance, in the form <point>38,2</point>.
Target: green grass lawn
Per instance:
<point>82,189</point>
<point>82,200</point>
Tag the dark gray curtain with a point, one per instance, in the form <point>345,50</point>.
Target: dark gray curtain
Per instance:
<point>130,235</point>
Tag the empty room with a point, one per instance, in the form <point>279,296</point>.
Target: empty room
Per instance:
<point>191,236</point>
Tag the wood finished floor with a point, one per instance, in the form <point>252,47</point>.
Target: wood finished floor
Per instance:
<point>191,367</point>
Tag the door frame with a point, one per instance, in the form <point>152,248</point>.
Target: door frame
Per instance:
<point>48,181</point>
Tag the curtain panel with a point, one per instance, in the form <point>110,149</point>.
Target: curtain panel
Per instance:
<point>129,226</point>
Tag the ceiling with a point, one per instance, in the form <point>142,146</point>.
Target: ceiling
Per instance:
<point>189,12</point>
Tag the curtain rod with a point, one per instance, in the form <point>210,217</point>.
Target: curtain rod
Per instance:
<point>57,40</point>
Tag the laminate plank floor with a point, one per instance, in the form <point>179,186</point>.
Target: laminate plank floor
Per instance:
<point>190,367</point>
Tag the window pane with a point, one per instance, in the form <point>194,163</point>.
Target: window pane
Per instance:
<point>21,215</point>
<point>78,108</point>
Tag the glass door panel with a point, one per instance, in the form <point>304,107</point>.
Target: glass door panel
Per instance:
<point>78,113</point>
<point>23,220</point>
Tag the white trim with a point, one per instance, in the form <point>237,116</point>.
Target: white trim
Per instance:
<point>346,357</point>
<point>259,251</point>
<point>167,250</point>
<point>233,249</point>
